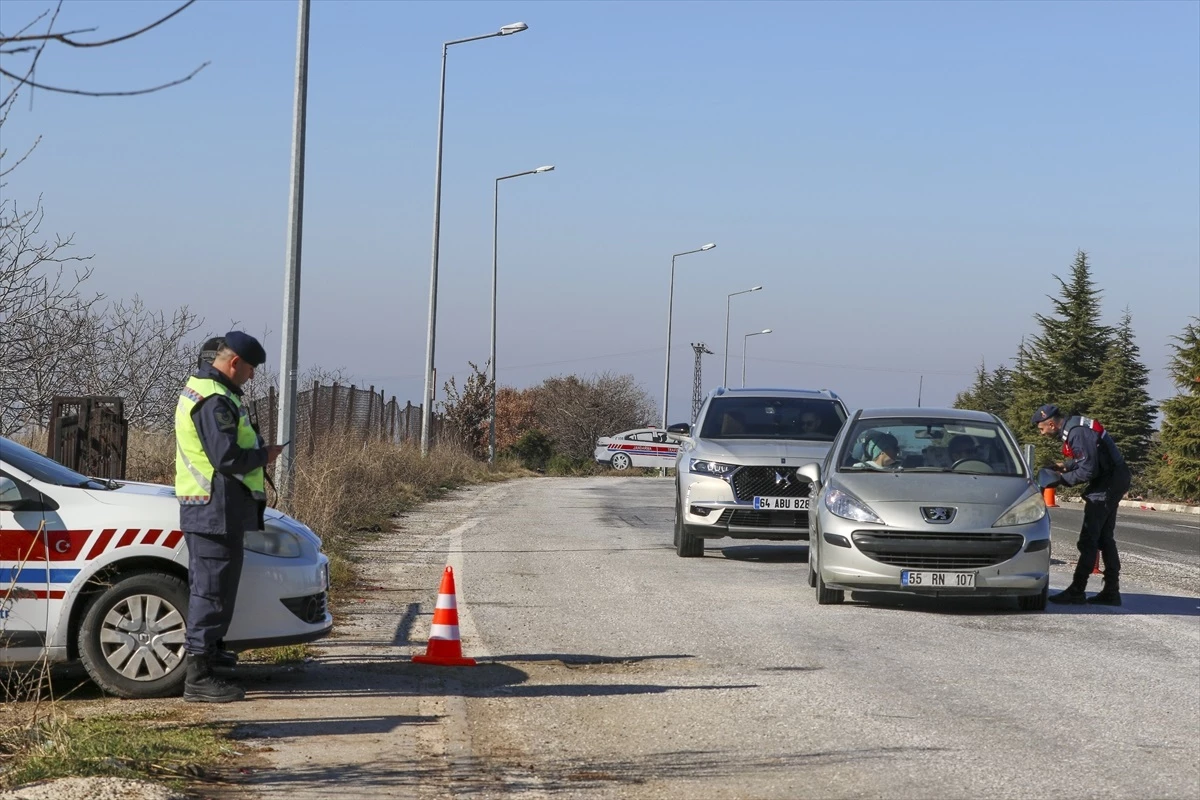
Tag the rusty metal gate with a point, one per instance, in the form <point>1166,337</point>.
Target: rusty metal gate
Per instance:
<point>89,435</point>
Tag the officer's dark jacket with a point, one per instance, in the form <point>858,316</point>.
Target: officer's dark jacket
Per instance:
<point>1092,457</point>
<point>232,507</point>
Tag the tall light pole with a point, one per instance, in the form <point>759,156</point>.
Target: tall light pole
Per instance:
<point>492,361</point>
<point>288,357</point>
<point>427,402</point>
<point>670,309</point>
<point>725,376</point>
<point>745,339</point>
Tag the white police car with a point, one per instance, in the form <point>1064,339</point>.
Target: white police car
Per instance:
<point>641,447</point>
<point>97,571</point>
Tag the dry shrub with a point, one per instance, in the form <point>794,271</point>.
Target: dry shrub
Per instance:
<point>150,457</point>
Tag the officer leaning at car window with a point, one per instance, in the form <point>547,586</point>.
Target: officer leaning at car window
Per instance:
<point>1090,456</point>
<point>219,481</point>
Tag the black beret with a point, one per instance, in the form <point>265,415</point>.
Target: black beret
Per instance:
<point>247,348</point>
<point>1044,413</point>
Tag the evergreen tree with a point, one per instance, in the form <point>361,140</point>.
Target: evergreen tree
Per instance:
<point>1180,471</point>
<point>991,391</point>
<point>1066,359</point>
<point>1120,399</point>
<point>1062,363</point>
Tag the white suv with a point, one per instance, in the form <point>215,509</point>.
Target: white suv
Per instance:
<point>736,473</point>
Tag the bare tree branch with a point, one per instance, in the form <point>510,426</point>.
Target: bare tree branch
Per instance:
<point>85,93</point>
<point>63,37</point>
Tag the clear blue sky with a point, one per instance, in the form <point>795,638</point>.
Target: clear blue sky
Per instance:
<point>903,178</point>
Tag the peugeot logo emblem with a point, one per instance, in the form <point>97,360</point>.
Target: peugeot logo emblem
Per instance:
<point>938,514</point>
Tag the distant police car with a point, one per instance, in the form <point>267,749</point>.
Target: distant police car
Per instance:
<point>97,571</point>
<point>641,447</point>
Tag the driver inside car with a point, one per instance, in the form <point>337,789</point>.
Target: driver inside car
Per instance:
<point>962,448</point>
<point>880,451</point>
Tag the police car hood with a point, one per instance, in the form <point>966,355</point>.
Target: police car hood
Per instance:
<point>133,491</point>
<point>750,450</point>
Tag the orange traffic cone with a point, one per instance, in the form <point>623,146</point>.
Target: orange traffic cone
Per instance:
<point>444,648</point>
<point>1048,496</point>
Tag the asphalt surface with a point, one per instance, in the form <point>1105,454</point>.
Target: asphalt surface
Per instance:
<point>630,672</point>
<point>1156,546</point>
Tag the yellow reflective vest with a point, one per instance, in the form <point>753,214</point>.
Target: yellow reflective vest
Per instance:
<point>193,471</point>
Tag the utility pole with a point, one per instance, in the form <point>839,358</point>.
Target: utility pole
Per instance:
<point>697,384</point>
<point>288,362</point>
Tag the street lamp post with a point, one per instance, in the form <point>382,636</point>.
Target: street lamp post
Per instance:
<point>725,376</point>
<point>492,361</point>
<point>745,339</point>
<point>670,309</point>
<point>427,402</point>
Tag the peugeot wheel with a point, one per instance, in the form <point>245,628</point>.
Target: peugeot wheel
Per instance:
<point>132,637</point>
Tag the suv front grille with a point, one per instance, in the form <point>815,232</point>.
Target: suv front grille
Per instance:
<point>763,519</point>
<point>913,550</point>
<point>751,482</point>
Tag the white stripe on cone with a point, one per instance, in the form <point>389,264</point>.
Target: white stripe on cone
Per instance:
<point>443,632</point>
<point>446,601</point>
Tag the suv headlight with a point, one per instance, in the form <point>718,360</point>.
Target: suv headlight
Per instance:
<point>847,506</point>
<point>276,541</point>
<point>1031,509</point>
<point>714,468</point>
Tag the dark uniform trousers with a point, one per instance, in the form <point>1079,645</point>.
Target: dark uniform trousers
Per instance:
<point>1099,525</point>
<point>214,569</point>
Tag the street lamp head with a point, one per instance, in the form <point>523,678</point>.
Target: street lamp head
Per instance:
<point>756,288</point>
<point>515,27</point>
<point>708,246</point>
<point>549,168</point>
<point>768,330</point>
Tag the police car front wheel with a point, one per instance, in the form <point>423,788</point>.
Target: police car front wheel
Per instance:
<point>132,637</point>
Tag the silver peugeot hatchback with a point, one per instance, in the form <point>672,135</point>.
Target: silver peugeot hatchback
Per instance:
<point>927,501</point>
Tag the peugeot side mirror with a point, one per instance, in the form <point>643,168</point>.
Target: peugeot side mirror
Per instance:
<point>810,471</point>
<point>681,428</point>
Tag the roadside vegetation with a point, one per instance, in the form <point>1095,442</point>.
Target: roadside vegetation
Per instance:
<point>1086,367</point>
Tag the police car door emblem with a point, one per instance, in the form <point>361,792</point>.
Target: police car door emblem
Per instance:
<point>938,514</point>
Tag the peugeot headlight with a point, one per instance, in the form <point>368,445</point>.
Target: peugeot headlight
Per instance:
<point>847,506</point>
<point>1031,509</point>
<point>275,540</point>
<point>713,468</point>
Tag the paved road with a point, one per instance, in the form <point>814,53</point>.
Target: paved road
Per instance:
<point>646,675</point>
<point>1155,546</point>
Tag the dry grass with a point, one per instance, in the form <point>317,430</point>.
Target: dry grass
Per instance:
<point>345,488</point>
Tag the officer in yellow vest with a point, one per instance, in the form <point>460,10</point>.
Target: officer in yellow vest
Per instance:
<point>219,481</point>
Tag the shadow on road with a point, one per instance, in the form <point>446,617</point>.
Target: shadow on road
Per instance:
<point>496,776</point>
<point>766,553</point>
<point>1134,603</point>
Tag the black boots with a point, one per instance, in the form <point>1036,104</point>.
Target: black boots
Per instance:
<point>201,686</point>
<point>1110,595</point>
<point>224,658</point>
<point>1072,595</point>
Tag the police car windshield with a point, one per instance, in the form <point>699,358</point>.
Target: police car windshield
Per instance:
<point>736,417</point>
<point>38,467</point>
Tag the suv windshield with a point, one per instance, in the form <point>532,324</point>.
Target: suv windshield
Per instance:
<point>810,418</point>
<point>39,467</point>
<point>930,445</point>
